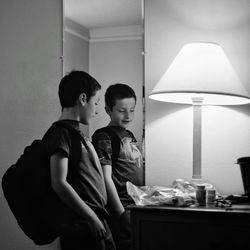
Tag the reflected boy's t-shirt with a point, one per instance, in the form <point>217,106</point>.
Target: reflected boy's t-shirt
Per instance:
<point>129,163</point>
<point>86,176</point>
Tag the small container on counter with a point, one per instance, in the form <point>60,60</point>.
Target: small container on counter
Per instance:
<point>200,194</point>
<point>210,197</point>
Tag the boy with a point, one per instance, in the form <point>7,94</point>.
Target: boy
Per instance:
<point>120,102</point>
<point>79,185</point>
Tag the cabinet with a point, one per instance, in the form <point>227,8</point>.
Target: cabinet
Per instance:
<point>162,228</point>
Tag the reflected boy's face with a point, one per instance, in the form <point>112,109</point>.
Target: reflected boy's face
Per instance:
<point>89,110</point>
<point>122,113</point>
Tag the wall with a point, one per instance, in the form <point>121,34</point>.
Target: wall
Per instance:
<point>30,70</point>
<point>76,47</point>
<point>76,50</point>
<point>115,56</point>
<point>225,136</point>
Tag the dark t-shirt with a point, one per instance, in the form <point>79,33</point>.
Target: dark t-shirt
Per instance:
<point>85,175</point>
<point>129,164</point>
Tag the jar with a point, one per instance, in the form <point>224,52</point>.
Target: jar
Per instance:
<point>200,194</point>
<point>210,197</point>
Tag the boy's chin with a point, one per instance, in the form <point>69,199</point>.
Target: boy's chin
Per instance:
<point>122,124</point>
<point>125,125</point>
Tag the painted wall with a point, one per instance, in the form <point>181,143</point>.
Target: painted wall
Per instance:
<point>76,47</point>
<point>76,51</point>
<point>30,71</point>
<point>225,136</point>
<point>116,57</point>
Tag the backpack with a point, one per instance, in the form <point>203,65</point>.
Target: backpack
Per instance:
<point>27,188</point>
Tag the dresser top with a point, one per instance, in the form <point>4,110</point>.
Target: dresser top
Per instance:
<point>239,208</point>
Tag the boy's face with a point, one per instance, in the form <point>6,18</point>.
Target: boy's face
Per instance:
<point>122,113</point>
<point>89,109</point>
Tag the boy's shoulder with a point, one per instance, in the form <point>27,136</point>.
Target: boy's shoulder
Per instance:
<point>113,133</point>
<point>109,135</point>
<point>64,133</point>
<point>108,130</point>
<point>68,127</point>
<point>115,129</point>
<point>105,133</point>
<point>57,131</point>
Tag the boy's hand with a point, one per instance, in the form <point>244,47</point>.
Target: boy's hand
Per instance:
<point>97,229</point>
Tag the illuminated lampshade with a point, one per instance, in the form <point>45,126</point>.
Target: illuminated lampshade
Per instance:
<point>200,74</point>
<point>201,70</point>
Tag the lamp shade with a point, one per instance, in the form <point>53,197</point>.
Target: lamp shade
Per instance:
<point>201,70</point>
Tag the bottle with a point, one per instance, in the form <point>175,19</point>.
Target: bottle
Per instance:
<point>210,197</point>
<point>200,194</point>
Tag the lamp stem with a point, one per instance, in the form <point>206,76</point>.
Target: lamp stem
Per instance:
<point>197,118</point>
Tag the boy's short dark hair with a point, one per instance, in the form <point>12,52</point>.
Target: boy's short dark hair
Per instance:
<point>118,91</point>
<point>75,83</point>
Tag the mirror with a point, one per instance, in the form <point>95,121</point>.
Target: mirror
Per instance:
<point>105,38</point>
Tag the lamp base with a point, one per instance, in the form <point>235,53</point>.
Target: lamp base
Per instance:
<point>197,181</point>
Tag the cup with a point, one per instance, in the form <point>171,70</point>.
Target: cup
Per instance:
<point>200,194</point>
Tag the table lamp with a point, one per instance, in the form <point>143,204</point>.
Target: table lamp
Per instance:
<point>201,74</point>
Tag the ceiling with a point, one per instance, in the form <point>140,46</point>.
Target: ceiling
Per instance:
<point>104,13</point>
<point>207,14</point>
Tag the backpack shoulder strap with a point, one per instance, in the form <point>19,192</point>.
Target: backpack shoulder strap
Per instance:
<point>78,137</point>
<point>61,124</point>
<point>115,141</point>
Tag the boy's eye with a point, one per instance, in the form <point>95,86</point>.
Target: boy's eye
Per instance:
<point>122,110</point>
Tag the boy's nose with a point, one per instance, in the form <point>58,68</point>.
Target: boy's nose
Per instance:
<point>126,114</point>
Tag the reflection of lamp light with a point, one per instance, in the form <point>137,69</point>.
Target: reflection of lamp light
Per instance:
<point>200,75</point>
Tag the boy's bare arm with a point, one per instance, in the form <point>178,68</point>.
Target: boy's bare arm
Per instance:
<point>113,197</point>
<point>59,170</point>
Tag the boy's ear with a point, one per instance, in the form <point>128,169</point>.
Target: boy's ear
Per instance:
<point>82,99</point>
<point>107,109</point>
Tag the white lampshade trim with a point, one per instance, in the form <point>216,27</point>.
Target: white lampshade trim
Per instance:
<point>203,70</point>
<point>208,98</point>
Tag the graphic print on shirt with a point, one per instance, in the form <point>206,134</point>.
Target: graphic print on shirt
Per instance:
<point>131,151</point>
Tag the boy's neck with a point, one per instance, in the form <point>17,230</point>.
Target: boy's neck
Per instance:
<point>115,125</point>
<point>70,114</point>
